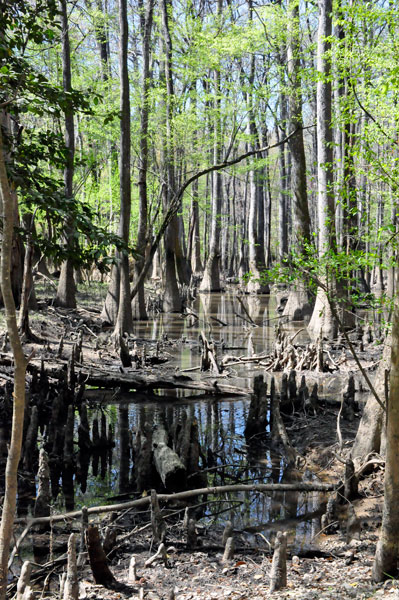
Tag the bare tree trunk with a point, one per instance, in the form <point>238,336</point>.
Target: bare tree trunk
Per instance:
<point>124,321</point>
<point>196,265</point>
<point>139,308</point>
<point>17,246</point>
<point>172,300</point>
<point>66,292</point>
<point>14,451</point>
<point>254,283</point>
<point>282,196</point>
<point>322,321</point>
<point>387,552</point>
<point>211,278</point>
<point>298,305</point>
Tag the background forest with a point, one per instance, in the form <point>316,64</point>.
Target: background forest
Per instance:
<point>208,83</point>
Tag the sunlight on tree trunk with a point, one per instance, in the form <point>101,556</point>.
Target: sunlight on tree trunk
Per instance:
<point>66,293</point>
<point>14,452</point>
<point>322,321</point>
<point>387,552</point>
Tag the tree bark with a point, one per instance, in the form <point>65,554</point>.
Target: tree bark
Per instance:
<point>322,321</point>
<point>211,279</point>
<point>66,292</point>
<point>255,267</point>
<point>387,552</point>
<point>172,300</point>
<point>139,308</point>
<point>298,305</point>
<point>14,452</point>
<point>124,320</point>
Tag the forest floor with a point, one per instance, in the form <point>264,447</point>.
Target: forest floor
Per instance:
<point>330,568</point>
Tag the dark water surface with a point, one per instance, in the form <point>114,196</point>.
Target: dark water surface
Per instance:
<point>221,422</point>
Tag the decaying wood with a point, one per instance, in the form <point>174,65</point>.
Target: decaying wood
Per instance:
<point>227,532</point>
<point>71,587</point>
<point>24,579</point>
<point>287,356</point>
<point>132,578</point>
<point>43,499</point>
<point>82,544</point>
<point>186,517</point>
<point>157,521</point>
<point>228,550</point>
<point>250,319</point>
<point>98,560</point>
<point>95,376</point>
<point>278,573</point>
<point>145,501</point>
<point>169,466</point>
<point>191,534</point>
<point>160,554</point>
<point>208,359</point>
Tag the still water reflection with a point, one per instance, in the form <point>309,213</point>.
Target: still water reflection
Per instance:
<point>226,456</point>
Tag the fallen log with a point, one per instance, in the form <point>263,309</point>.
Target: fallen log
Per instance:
<point>97,377</point>
<point>169,466</point>
<point>220,489</point>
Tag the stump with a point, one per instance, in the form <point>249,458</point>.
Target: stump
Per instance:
<point>24,579</point>
<point>191,535</point>
<point>229,550</point>
<point>278,573</point>
<point>42,503</point>
<point>227,533</point>
<point>157,522</point>
<point>132,578</point>
<point>98,560</point>
<point>71,586</point>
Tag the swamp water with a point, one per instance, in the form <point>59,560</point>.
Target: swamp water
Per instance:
<point>108,474</point>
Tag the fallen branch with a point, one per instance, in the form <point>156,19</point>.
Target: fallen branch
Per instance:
<point>220,489</point>
<point>246,312</point>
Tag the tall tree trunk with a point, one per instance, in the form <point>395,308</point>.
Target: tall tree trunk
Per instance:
<point>172,300</point>
<point>138,305</point>
<point>322,321</point>
<point>254,284</point>
<point>17,255</point>
<point>66,292</point>
<point>282,196</point>
<point>196,265</point>
<point>387,552</point>
<point>124,321</point>
<point>211,279</point>
<point>298,305</point>
<point>20,362</point>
